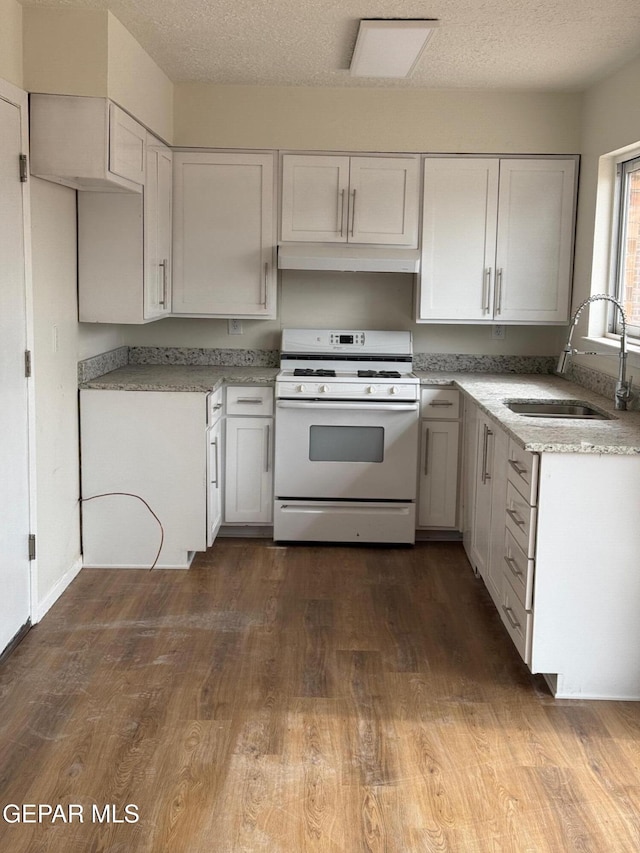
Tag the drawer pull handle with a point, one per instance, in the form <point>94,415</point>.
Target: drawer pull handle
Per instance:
<point>426,453</point>
<point>252,400</point>
<point>516,518</point>
<point>520,471</point>
<point>441,403</point>
<point>513,566</point>
<point>508,612</point>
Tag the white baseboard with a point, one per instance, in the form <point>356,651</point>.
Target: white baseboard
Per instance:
<point>43,606</point>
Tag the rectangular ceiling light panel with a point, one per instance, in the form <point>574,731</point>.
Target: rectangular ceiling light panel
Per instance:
<point>390,48</point>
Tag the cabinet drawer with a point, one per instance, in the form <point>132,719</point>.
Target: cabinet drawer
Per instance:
<point>214,406</point>
<point>521,520</point>
<point>440,403</point>
<point>518,569</point>
<point>518,621</point>
<point>249,400</point>
<point>522,471</point>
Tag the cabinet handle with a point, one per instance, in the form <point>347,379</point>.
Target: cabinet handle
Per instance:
<point>486,475</point>
<point>353,213</point>
<point>426,452</point>
<point>499,291</point>
<point>520,471</point>
<point>254,401</point>
<point>486,290</point>
<point>266,285</point>
<point>215,482</point>
<point>441,403</point>
<point>163,264</point>
<point>508,612</point>
<point>341,203</point>
<point>515,517</point>
<point>267,454</point>
<point>513,566</point>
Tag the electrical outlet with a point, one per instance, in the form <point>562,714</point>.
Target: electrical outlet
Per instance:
<point>498,332</point>
<point>235,327</point>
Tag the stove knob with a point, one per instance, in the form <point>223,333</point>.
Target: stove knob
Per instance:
<point>301,389</point>
<point>323,389</point>
<point>393,389</point>
<point>371,389</point>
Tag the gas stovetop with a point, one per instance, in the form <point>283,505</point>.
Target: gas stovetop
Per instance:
<point>346,365</point>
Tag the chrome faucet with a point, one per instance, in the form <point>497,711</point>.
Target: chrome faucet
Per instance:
<point>623,386</point>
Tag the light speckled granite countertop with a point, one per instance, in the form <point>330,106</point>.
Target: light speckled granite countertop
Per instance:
<point>179,377</point>
<point>620,435</point>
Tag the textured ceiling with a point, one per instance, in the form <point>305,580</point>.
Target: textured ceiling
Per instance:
<point>500,44</point>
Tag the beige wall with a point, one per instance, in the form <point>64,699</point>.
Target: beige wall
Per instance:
<point>347,300</point>
<point>376,119</point>
<point>611,121</point>
<point>11,42</point>
<point>89,52</point>
<point>65,51</point>
<point>137,83</point>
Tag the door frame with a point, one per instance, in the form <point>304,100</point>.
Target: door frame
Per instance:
<point>20,99</point>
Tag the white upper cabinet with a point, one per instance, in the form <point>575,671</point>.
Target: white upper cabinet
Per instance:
<point>497,240</point>
<point>340,199</point>
<point>534,252</point>
<point>127,141</point>
<point>158,192</point>
<point>224,235</point>
<point>86,143</point>
<point>124,248</point>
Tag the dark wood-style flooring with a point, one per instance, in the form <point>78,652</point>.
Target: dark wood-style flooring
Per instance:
<point>293,699</point>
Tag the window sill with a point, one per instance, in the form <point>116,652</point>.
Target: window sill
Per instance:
<point>611,346</point>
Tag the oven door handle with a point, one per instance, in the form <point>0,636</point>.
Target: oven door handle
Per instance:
<point>350,406</point>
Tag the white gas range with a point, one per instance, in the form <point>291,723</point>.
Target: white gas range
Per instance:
<point>346,437</point>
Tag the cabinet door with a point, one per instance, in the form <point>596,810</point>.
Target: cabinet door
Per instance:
<point>314,198</point>
<point>248,482</point>
<point>438,486</point>
<point>535,240</point>
<point>223,249</point>
<point>481,529</point>
<point>127,140</point>
<point>494,573</point>
<point>214,481</point>
<point>469,465</point>
<point>458,239</point>
<point>383,201</point>
<point>157,230</point>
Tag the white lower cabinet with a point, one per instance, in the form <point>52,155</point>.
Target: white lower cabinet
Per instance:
<point>536,530</point>
<point>144,478</point>
<point>248,494</point>
<point>439,451</point>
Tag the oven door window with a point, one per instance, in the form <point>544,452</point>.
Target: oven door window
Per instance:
<point>346,444</point>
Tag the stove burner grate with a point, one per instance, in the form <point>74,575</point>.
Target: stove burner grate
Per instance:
<point>307,371</point>
<point>382,374</point>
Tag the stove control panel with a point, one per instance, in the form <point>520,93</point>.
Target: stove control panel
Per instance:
<point>346,338</point>
<point>346,391</point>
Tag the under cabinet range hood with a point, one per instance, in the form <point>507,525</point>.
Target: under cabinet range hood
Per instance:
<point>344,258</point>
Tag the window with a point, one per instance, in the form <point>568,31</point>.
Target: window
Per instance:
<point>627,274</point>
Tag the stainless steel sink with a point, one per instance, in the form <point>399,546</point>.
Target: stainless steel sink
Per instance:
<point>575,409</point>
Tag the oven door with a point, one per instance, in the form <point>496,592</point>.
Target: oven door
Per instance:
<point>346,450</point>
